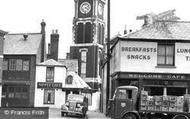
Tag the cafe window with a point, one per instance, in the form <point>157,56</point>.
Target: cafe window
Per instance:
<point>69,79</point>
<point>49,96</point>
<point>50,74</point>
<point>11,92</point>
<point>19,92</point>
<point>165,54</point>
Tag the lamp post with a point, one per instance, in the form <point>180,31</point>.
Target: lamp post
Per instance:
<point>108,53</point>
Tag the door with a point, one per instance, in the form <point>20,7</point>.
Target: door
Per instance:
<point>123,102</point>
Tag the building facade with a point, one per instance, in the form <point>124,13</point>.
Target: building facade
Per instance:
<point>50,78</point>
<point>156,56</point>
<point>88,34</point>
<point>21,54</point>
<point>2,34</point>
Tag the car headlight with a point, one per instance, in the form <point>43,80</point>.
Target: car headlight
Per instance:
<point>64,107</point>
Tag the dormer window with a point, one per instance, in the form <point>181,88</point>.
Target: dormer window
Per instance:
<point>69,79</point>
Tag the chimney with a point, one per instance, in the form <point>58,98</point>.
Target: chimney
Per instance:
<point>43,47</point>
<point>148,19</point>
<point>125,30</point>
<point>68,56</point>
<point>49,51</point>
<point>25,37</point>
<point>43,24</point>
<point>54,44</point>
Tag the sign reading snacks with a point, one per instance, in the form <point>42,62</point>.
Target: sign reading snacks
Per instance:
<point>25,113</point>
<point>49,85</point>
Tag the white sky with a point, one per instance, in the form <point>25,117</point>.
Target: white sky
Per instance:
<point>20,16</point>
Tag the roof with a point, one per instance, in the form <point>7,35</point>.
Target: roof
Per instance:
<point>163,26</point>
<point>170,30</point>
<point>51,62</point>
<point>71,64</point>
<point>3,32</point>
<point>16,44</point>
<point>78,82</point>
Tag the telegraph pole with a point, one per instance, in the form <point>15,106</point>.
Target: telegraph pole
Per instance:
<point>108,51</point>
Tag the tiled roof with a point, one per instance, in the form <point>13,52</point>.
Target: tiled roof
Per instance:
<point>16,44</point>
<point>50,62</point>
<point>169,30</point>
<point>78,82</point>
<point>71,64</point>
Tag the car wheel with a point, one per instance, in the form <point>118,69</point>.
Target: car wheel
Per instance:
<point>62,114</point>
<point>129,116</point>
<point>83,115</point>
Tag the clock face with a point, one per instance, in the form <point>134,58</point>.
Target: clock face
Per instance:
<point>85,7</point>
<point>100,9</point>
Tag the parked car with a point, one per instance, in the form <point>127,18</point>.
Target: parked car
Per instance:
<point>76,104</point>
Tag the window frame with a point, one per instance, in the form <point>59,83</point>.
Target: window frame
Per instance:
<point>69,80</point>
<point>48,75</point>
<point>165,55</point>
<point>53,96</point>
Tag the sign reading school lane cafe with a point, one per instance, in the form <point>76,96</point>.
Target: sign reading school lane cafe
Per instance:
<point>49,85</point>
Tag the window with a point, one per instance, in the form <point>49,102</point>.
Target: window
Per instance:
<point>16,65</point>
<point>5,65</point>
<point>83,63</point>
<point>50,74</point>
<point>12,64</point>
<point>124,94</point>
<point>49,96</point>
<point>69,79</point>
<point>26,65</point>
<point>19,92</point>
<point>165,54</point>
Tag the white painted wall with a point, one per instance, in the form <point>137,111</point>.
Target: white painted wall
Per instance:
<point>59,76</point>
<point>126,64</point>
<point>95,101</point>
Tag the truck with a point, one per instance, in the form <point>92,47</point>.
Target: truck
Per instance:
<point>131,102</point>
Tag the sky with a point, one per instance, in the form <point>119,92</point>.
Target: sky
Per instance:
<point>25,16</point>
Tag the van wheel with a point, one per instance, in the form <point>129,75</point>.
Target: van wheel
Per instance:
<point>129,116</point>
<point>180,117</point>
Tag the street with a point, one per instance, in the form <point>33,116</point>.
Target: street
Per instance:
<point>56,114</point>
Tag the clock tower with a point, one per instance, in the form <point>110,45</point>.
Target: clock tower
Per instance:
<point>88,36</point>
<point>88,23</point>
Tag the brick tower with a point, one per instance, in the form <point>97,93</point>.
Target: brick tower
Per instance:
<point>88,35</point>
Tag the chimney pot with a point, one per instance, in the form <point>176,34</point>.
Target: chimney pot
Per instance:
<point>25,36</point>
<point>56,31</point>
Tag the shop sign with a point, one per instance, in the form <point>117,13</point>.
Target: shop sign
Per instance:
<point>49,85</point>
<point>24,113</point>
<point>155,76</point>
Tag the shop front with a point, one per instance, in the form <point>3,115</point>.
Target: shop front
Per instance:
<point>154,83</point>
